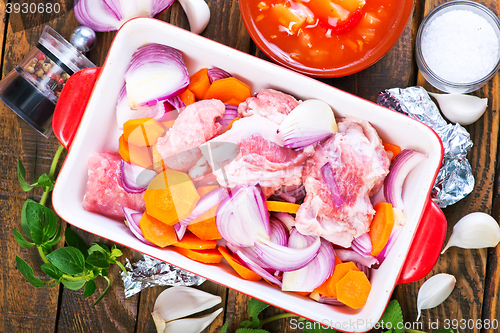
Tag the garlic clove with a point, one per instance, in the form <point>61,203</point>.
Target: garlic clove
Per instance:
<point>191,325</point>
<point>180,301</point>
<point>435,291</point>
<point>459,108</point>
<point>474,231</point>
<point>198,14</point>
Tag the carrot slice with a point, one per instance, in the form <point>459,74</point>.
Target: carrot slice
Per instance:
<point>328,287</point>
<point>242,271</point>
<point>392,150</point>
<point>187,97</point>
<point>142,132</point>
<point>199,83</point>
<point>168,123</point>
<point>353,289</point>
<point>381,227</point>
<point>283,207</point>
<point>229,90</point>
<point>156,231</point>
<point>142,156</point>
<point>211,256</point>
<point>202,190</point>
<point>190,241</point>
<point>204,227</point>
<point>171,196</point>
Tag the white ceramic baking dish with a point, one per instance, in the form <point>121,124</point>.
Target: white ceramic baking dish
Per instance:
<point>97,131</point>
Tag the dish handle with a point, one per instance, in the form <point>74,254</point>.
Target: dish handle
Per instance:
<point>427,244</point>
<point>72,104</point>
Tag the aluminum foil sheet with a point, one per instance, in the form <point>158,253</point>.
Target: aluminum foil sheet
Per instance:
<point>454,180</point>
<point>150,272</point>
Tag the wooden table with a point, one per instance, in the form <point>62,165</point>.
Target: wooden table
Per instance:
<point>24,308</point>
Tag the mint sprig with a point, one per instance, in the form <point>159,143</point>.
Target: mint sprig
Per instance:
<point>75,266</point>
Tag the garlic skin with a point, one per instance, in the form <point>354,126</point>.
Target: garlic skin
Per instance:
<point>175,303</point>
<point>474,231</point>
<point>435,291</point>
<point>309,122</point>
<point>460,108</point>
<point>198,14</point>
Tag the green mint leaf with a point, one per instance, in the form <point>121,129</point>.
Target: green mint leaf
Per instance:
<point>90,288</point>
<point>21,176</point>
<point>104,272</point>
<point>246,323</point>
<point>115,252</point>
<point>50,224</point>
<point>104,293</point>
<point>56,238</point>
<point>224,327</point>
<point>44,180</point>
<point>22,241</point>
<point>99,247</point>
<point>41,221</point>
<point>312,327</point>
<point>46,248</point>
<point>24,219</point>
<point>255,307</point>
<point>250,330</point>
<point>52,271</point>
<point>73,285</point>
<point>74,240</point>
<point>393,315</point>
<point>68,259</point>
<point>98,259</point>
<point>28,273</point>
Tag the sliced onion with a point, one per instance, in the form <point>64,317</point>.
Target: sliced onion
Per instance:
<point>363,269</point>
<point>399,222</point>
<point>400,167</point>
<point>180,230</point>
<point>174,103</point>
<point>350,255</point>
<point>243,217</point>
<point>329,178</point>
<point>206,202</point>
<point>156,72</point>
<point>229,115</point>
<point>125,113</point>
<point>279,232</point>
<point>325,299</point>
<point>251,254</point>
<point>362,244</point>
<point>134,178</point>
<point>292,193</point>
<point>216,73</point>
<point>315,272</point>
<point>132,221</point>
<point>284,258</point>
<point>257,269</point>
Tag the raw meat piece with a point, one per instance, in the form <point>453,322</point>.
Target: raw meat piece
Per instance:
<point>194,126</point>
<point>359,164</point>
<point>105,195</point>
<point>271,104</point>
<point>261,158</point>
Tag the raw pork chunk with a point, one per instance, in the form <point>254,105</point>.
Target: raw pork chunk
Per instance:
<point>261,159</point>
<point>360,164</point>
<point>105,195</point>
<point>271,104</point>
<point>194,126</point>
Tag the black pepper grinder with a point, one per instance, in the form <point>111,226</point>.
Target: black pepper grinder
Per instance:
<point>32,88</point>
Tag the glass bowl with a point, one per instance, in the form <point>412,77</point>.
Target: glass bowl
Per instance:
<point>455,67</point>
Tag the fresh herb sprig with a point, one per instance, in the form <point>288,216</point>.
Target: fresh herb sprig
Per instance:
<point>75,266</point>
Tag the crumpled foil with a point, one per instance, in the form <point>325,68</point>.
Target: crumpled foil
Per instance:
<point>150,272</point>
<point>454,180</point>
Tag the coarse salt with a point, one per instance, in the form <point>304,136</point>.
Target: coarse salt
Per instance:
<point>460,46</point>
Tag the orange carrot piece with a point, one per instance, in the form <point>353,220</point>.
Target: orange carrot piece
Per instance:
<point>229,90</point>
<point>142,132</point>
<point>353,289</point>
<point>392,150</point>
<point>381,227</point>
<point>202,190</point>
<point>211,256</point>
<point>234,101</point>
<point>156,231</point>
<point>187,97</point>
<point>328,287</point>
<point>283,207</point>
<point>337,260</point>
<point>199,83</point>
<point>168,123</point>
<point>158,163</point>
<point>171,196</point>
<point>302,293</point>
<point>205,227</point>
<point>190,241</point>
<point>142,156</point>
<point>242,271</point>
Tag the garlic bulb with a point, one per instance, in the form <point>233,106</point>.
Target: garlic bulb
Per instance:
<point>475,231</point>
<point>309,122</point>
<point>175,303</point>
<point>459,108</point>
<point>198,14</point>
<point>434,291</point>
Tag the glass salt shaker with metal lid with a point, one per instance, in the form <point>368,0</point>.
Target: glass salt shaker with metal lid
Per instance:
<point>32,88</point>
